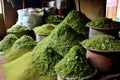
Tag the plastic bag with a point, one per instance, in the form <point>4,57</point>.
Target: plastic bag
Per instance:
<point>30,17</point>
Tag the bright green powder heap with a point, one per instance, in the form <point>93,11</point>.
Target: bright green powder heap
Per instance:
<point>17,28</point>
<point>104,23</point>
<point>7,42</point>
<point>75,65</point>
<point>20,47</point>
<point>77,20</point>
<point>46,53</point>
<point>102,42</point>
<point>44,29</point>
<point>20,69</point>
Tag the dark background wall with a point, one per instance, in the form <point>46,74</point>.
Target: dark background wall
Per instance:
<point>92,8</point>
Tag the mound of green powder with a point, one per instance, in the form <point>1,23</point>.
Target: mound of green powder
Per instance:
<point>49,51</point>
<point>7,42</point>
<point>55,19</point>
<point>103,23</point>
<point>20,47</point>
<point>21,69</point>
<point>44,29</point>
<point>46,58</point>
<point>102,42</point>
<point>75,65</point>
<point>77,20</point>
<point>16,28</point>
<point>61,39</point>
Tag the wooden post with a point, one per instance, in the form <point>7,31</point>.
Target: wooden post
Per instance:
<point>23,4</point>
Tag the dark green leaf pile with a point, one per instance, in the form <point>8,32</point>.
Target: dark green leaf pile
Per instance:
<point>104,23</point>
<point>59,42</point>
<point>77,20</point>
<point>54,19</point>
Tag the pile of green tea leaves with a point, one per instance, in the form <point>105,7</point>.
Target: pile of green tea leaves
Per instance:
<point>104,23</point>
<point>17,28</point>
<point>75,65</point>
<point>54,19</point>
<point>77,20</point>
<point>63,38</point>
<point>7,42</point>
<point>45,29</point>
<point>45,55</point>
<point>102,42</point>
<point>20,47</point>
<point>49,51</point>
<point>45,60</point>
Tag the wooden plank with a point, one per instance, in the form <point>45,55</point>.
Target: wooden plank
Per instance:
<point>2,26</point>
<point>92,8</point>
